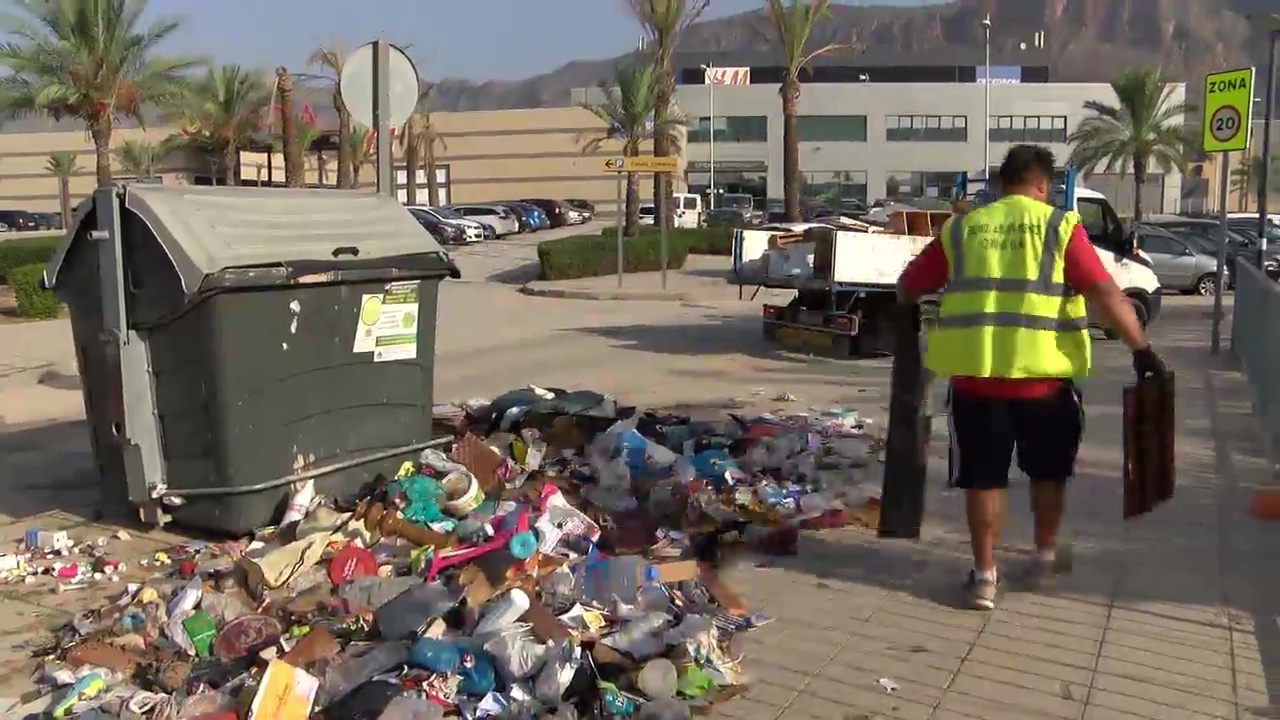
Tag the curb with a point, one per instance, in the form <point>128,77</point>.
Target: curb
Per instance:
<point>608,295</point>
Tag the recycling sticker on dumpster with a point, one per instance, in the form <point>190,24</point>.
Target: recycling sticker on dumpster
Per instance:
<point>388,324</point>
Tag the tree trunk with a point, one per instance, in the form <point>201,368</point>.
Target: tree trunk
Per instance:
<point>64,199</point>
<point>355,176</point>
<point>345,171</point>
<point>1139,182</point>
<point>631,210</point>
<point>790,149</point>
<point>230,159</point>
<point>663,193</point>
<point>433,183</point>
<point>101,133</point>
<point>293,167</point>
<point>411,171</point>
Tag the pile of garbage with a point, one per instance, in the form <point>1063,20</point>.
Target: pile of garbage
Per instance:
<point>566,565</point>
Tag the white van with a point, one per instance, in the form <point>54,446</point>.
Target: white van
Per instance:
<point>688,210</point>
<point>1129,267</point>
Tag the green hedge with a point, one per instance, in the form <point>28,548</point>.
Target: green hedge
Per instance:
<point>28,289</point>
<point>25,251</point>
<point>700,241</point>
<point>580,256</point>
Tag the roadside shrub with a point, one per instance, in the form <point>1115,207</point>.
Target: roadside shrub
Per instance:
<point>580,256</point>
<point>28,289</point>
<point>25,251</point>
<point>700,241</point>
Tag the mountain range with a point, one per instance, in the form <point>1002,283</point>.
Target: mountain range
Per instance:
<point>1085,41</point>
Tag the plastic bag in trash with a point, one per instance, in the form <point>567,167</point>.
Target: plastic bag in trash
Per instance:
<point>558,670</point>
<point>517,654</point>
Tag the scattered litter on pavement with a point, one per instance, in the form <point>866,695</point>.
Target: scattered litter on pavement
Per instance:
<point>561,560</point>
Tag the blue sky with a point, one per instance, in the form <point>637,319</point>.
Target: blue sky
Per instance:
<point>478,39</point>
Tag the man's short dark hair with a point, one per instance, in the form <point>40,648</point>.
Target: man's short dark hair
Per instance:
<point>1025,163</point>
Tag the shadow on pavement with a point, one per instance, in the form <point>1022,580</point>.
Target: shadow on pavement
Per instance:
<point>519,275</point>
<point>715,335</point>
<point>49,467</point>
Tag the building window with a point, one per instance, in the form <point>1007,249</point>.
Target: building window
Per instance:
<point>832,128</point>
<point>836,188</point>
<point>911,184</point>
<point>743,128</point>
<point>1028,128</point>
<point>926,128</point>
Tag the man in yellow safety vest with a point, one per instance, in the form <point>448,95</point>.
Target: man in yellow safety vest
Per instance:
<point>1013,338</point>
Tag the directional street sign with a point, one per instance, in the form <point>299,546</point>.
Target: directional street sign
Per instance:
<point>642,164</point>
<point>1228,110</point>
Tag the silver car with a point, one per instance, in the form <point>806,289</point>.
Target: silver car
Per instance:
<point>1181,263</point>
<point>501,219</point>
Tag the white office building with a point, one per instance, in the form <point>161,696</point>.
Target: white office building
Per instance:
<point>884,131</point>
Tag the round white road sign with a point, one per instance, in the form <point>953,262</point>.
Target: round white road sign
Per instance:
<point>356,85</point>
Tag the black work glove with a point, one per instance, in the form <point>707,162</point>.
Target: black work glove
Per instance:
<point>1146,363</point>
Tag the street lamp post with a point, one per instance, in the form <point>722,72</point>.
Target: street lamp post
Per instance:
<point>709,78</point>
<point>986,114</point>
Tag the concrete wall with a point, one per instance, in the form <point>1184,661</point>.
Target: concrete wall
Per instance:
<point>25,181</point>
<point>879,158</point>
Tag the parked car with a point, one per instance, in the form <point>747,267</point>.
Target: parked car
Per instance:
<point>539,214</point>
<point>1207,234</point>
<point>726,217</point>
<point>648,214</point>
<point>526,214</point>
<point>556,211</point>
<point>1180,263</point>
<point>583,205</point>
<point>44,221</point>
<point>18,220</point>
<point>474,231</point>
<point>503,221</point>
<point>444,233</point>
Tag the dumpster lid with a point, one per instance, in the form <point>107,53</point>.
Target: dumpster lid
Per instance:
<point>208,229</point>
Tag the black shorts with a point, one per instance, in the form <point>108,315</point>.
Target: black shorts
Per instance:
<point>985,432</point>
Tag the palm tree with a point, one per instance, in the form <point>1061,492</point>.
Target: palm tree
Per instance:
<point>62,165</point>
<point>629,110</point>
<point>1247,173</point>
<point>362,144</point>
<point>305,134</point>
<point>664,22</point>
<point>293,161</point>
<point>224,110</point>
<point>418,139</point>
<point>792,23</point>
<point>91,60</point>
<point>139,158</point>
<point>330,59</point>
<point>1146,129</point>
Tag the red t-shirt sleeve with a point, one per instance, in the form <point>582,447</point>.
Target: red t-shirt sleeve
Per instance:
<point>1083,268</point>
<point>927,272</point>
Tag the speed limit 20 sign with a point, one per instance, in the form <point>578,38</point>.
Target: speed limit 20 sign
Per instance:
<point>1228,109</point>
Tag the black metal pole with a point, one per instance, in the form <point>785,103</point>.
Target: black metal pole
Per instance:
<point>906,448</point>
<point>1265,173</point>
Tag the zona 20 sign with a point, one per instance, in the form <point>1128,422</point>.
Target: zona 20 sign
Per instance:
<point>1228,110</point>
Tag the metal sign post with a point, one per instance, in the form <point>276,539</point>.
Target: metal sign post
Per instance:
<point>1228,112</point>
<point>661,165</point>
<point>382,115</point>
<point>622,210</point>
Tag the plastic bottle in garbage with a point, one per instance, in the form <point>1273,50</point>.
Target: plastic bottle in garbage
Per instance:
<point>620,577</point>
<point>503,611</point>
<point>350,672</point>
<point>300,503</point>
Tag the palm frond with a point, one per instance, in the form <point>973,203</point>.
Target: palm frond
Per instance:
<point>62,163</point>
<point>1145,124</point>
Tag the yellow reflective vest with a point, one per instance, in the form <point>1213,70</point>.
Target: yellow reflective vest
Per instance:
<point>1007,311</point>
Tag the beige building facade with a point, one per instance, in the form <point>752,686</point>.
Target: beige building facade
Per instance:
<point>481,156</point>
